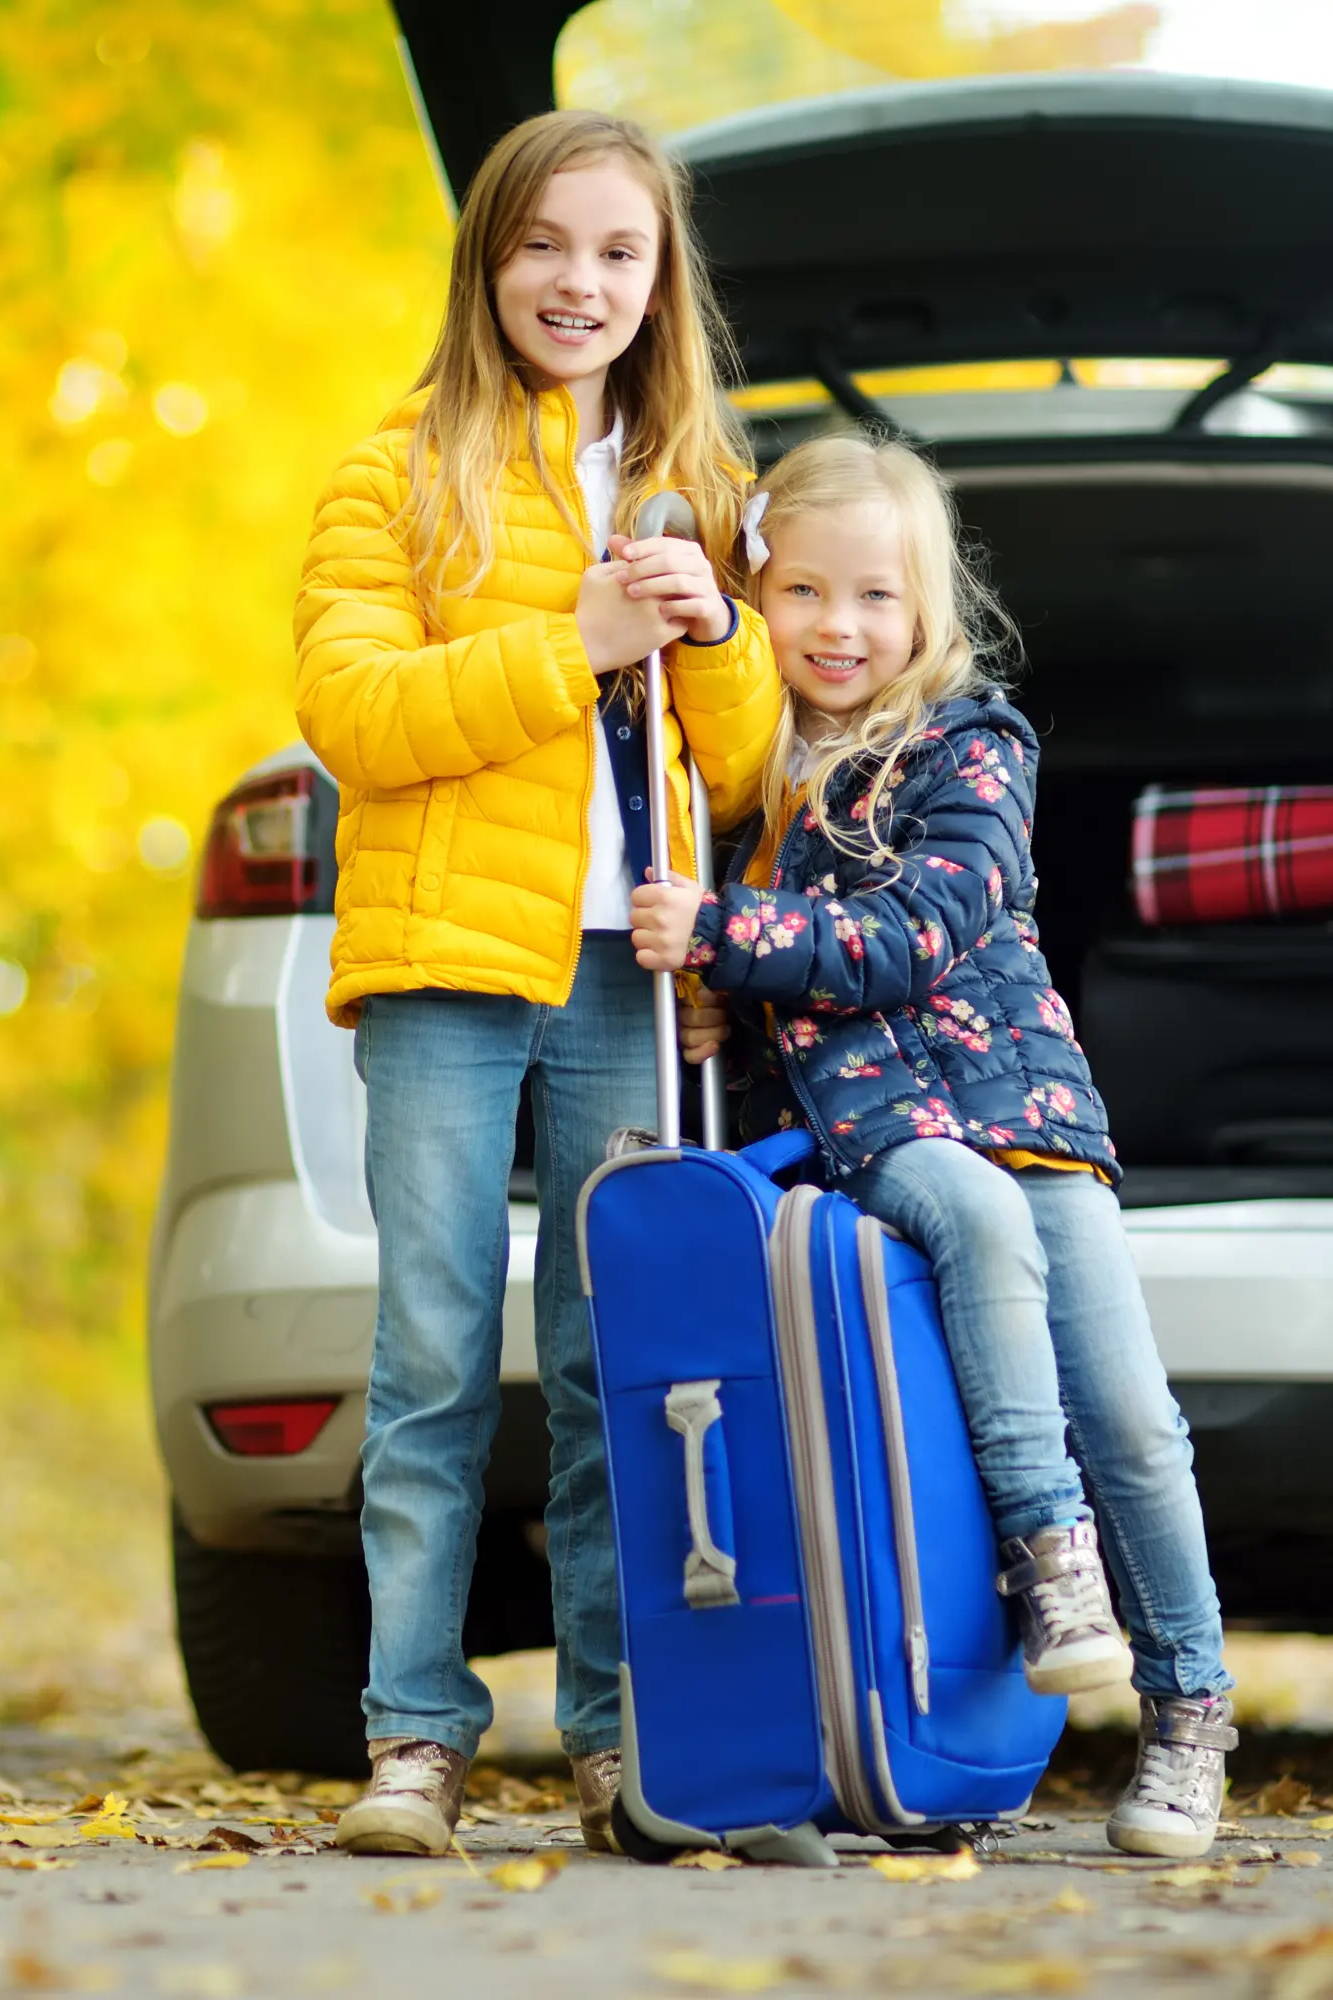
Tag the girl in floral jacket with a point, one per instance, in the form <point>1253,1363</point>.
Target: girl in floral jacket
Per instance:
<point>876,941</point>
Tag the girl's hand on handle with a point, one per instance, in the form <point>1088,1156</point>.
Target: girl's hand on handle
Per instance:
<point>616,629</point>
<point>703,1028</point>
<point>662,916</point>
<point>678,575</point>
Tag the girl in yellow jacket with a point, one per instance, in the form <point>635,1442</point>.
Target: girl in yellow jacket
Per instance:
<point>467,674</point>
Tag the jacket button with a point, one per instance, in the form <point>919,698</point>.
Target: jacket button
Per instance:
<point>636,804</point>
<point>624,732</point>
<point>430,881</point>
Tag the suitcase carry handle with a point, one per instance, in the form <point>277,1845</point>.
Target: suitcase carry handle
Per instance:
<point>692,1408</point>
<point>781,1149</point>
<point>672,514</point>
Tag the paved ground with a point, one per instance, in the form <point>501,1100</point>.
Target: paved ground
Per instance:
<point>113,1898</point>
<point>130,1863</point>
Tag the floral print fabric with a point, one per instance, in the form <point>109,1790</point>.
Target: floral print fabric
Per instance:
<point>907,998</point>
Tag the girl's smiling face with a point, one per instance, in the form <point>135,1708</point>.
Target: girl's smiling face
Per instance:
<point>839,609</point>
<point>574,293</point>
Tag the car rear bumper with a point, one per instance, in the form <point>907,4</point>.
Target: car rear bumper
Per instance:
<point>258,1298</point>
<point>1239,1291</point>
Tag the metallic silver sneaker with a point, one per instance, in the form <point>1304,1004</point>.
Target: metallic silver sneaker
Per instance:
<point>1070,1638</point>
<point>597,1780</point>
<point>1175,1795</point>
<point>412,1806</point>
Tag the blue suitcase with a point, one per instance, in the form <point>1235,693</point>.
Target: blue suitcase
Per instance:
<point>812,1641</point>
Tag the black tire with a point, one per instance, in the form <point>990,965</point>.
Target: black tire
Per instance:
<point>638,1846</point>
<point>275,1649</point>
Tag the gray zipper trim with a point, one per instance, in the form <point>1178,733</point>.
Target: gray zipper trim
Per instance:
<point>870,1253</point>
<point>812,1468</point>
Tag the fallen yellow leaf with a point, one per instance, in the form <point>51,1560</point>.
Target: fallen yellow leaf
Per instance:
<point>1324,1824</point>
<point>398,1895</point>
<point>532,1873</point>
<point>333,1791</point>
<point>32,1818</point>
<point>201,1982</point>
<point>1303,1857</point>
<point>960,1867</point>
<point>721,1975</point>
<point>111,1823</point>
<point>31,1861</point>
<point>45,1836</point>
<point>1026,1975</point>
<point>1194,1877</point>
<point>212,1861</point>
<point>711,1858</point>
<point>1295,1944</point>
<point>1285,1796</point>
<point>1070,1902</point>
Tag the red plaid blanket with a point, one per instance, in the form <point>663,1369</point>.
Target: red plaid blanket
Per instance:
<point>1204,857</point>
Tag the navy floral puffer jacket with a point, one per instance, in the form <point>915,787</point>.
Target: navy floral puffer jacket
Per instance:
<point>916,1004</point>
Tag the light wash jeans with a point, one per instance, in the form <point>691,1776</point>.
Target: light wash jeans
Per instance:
<point>442,1075</point>
<point>1054,1353</point>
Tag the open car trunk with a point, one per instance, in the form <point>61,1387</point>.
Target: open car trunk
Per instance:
<point>1179,630</point>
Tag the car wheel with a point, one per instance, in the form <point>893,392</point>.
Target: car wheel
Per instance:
<point>275,1650</point>
<point>276,1647</point>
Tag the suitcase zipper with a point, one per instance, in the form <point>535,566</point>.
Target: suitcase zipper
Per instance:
<point>816,1501</point>
<point>870,1253</point>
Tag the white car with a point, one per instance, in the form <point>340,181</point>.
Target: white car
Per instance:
<point>1164,552</point>
<point>262,1308</point>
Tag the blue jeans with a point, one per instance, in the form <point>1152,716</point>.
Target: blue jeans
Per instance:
<point>442,1075</point>
<point>1054,1353</point>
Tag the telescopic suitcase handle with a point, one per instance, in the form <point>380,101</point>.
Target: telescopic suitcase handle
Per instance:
<point>672,514</point>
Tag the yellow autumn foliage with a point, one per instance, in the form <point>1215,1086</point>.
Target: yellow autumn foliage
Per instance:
<point>225,255</point>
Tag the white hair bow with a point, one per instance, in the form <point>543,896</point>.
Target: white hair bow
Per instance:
<point>756,548</point>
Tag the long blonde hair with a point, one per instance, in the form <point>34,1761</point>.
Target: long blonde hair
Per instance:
<point>678,430</point>
<point>962,630</point>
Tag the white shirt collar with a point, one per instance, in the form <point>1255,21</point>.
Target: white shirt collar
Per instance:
<point>604,450</point>
<point>805,756</point>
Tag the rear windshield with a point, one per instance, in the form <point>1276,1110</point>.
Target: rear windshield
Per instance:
<point>674,64</point>
<point>1074,398</point>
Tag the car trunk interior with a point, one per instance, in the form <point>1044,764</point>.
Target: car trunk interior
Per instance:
<point>1178,626</point>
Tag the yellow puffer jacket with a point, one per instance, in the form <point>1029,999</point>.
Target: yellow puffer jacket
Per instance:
<point>464,755</point>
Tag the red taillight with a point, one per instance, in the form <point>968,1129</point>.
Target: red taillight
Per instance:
<point>259,858</point>
<point>270,1430</point>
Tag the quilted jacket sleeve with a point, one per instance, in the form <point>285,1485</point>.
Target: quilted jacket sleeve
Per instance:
<point>728,698</point>
<point>885,944</point>
<point>378,703</point>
